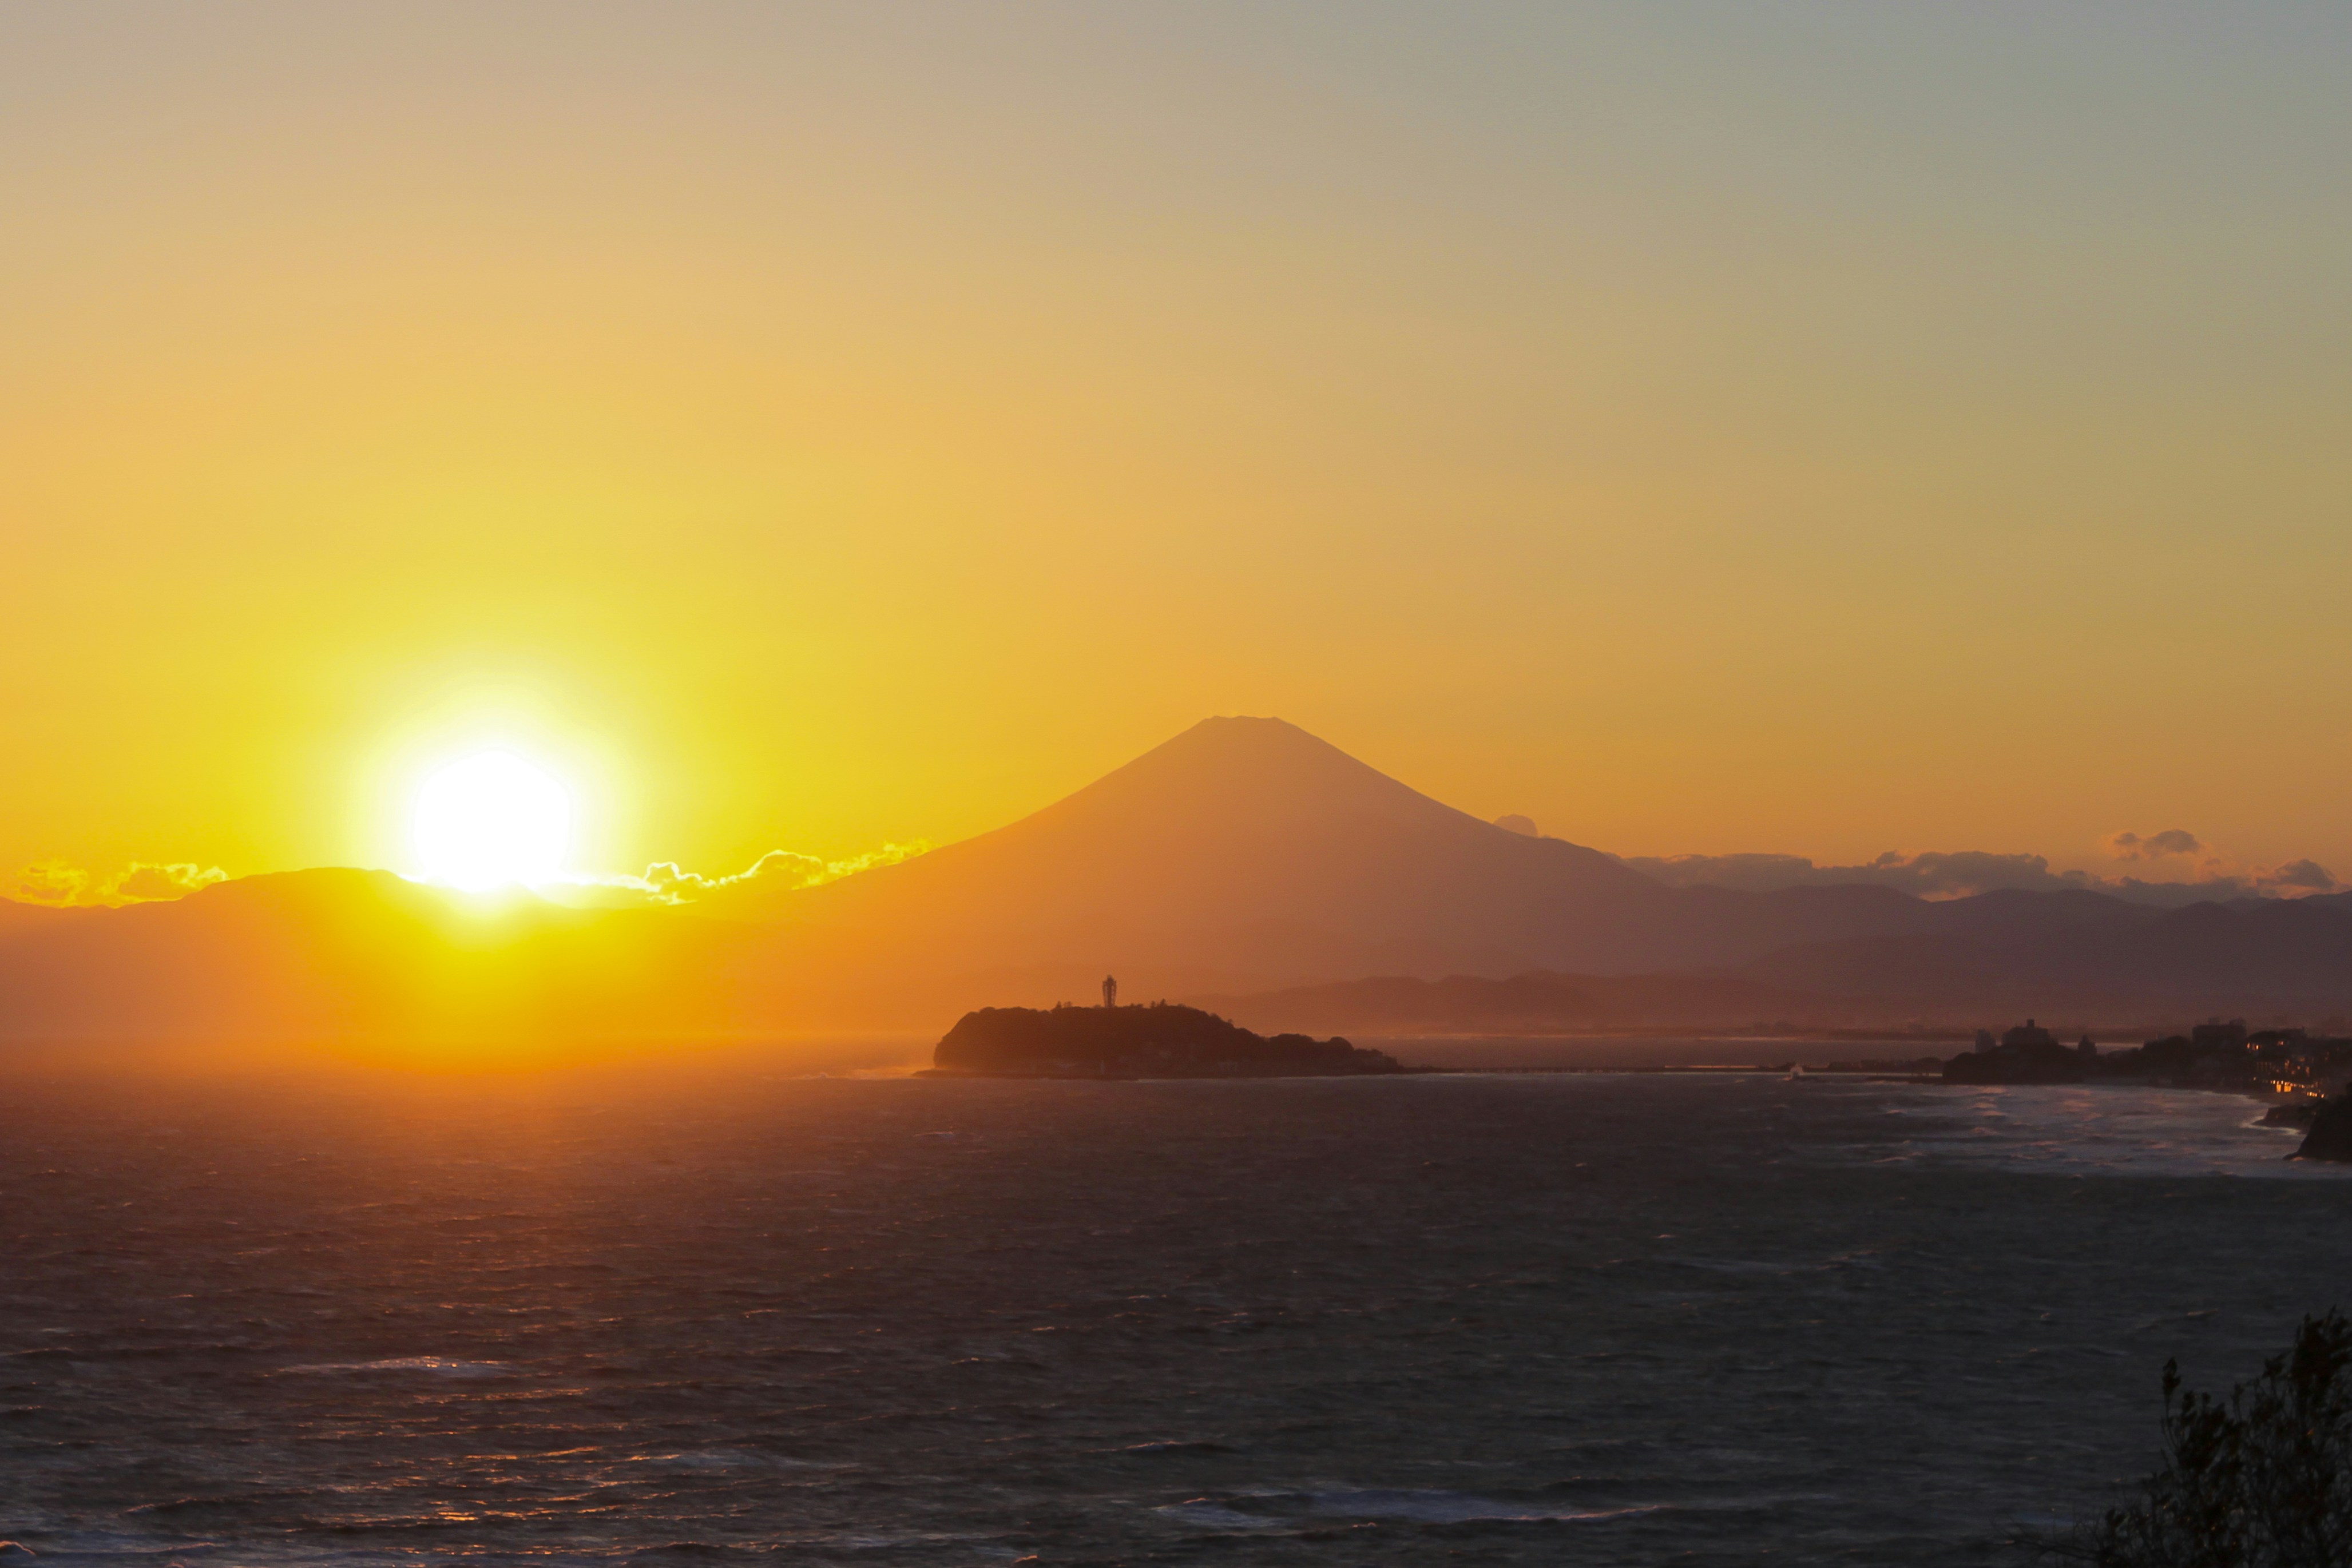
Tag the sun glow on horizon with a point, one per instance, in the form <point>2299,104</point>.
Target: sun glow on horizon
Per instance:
<point>489,820</point>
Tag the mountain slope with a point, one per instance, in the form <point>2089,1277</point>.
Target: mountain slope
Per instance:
<point>1249,846</point>
<point>1237,834</point>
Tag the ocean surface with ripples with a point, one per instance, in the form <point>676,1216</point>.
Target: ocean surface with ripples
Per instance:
<point>732,1315</point>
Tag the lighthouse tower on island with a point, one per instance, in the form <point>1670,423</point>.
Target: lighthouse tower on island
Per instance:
<point>1111,991</point>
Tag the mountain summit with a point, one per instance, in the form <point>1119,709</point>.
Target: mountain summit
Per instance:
<point>1242,842</point>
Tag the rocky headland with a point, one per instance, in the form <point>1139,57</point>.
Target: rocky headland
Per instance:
<point>2330,1138</point>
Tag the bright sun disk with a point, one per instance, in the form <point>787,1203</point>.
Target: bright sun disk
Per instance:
<point>491,819</point>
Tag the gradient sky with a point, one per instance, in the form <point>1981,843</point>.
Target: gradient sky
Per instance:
<point>1822,428</point>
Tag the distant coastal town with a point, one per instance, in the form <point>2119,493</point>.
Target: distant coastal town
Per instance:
<point>2291,1064</point>
<point>2307,1077</point>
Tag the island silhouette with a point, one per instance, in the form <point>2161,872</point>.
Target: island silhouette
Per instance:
<point>1161,1039</point>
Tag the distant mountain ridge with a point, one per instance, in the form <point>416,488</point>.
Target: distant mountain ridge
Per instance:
<point>1243,857</point>
<point>2251,955</point>
<point>1537,1002</point>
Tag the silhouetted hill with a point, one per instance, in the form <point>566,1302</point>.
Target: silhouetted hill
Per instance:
<point>16,918</point>
<point>335,953</point>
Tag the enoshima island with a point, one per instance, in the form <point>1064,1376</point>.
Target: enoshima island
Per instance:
<point>1161,1039</point>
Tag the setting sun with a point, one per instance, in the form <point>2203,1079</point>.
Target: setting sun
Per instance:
<point>491,819</point>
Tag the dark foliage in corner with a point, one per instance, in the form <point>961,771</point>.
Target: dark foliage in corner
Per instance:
<point>2261,1481</point>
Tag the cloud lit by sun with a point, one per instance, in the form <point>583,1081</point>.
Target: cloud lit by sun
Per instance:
<point>489,820</point>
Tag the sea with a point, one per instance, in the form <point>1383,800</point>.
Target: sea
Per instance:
<point>728,1310</point>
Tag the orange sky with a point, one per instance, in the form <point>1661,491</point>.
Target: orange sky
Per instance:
<point>1813,428</point>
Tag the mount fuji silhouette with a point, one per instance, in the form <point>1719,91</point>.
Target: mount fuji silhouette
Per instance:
<point>1247,845</point>
<point>1243,855</point>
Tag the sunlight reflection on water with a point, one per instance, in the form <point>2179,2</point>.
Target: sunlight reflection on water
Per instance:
<point>739,1314</point>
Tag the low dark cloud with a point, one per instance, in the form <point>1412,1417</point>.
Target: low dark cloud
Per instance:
<point>2301,876</point>
<point>666,881</point>
<point>2155,846</point>
<point>145,883</point>
<point>1961,873</point>
<point>50,882</point>
<point>61,884</point>
<point>1933,875</point>
<point>777,868</point>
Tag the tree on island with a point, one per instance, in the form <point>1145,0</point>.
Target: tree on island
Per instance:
<point>2261,1481</point>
